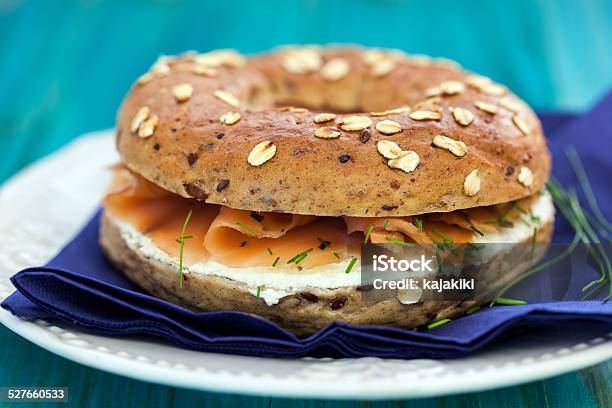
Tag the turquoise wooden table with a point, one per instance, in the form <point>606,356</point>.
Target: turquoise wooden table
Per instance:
<point>65,65</point>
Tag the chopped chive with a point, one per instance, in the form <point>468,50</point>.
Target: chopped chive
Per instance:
<point>501,221</point>
<point>472,226</point>
<point>476,230</point>
<point>386,225</point>
<point>258,291</point>
<point>437,323</point>
<point>270,251</point>
<point>248,231</point>
<point>275,261</point>
<point>472,310</point>
<point>300,259</point>
<point>324,243</point>
<point>417,222</point>
<point>521,209</point>
<point>401,243</point>
<point>367,236</point>
<point>181,242</point>
<point>508,302</point>
<point>300,255</point>
<point>442,235</point>
<point>534,217</point>
<point>350,266</point>
<point>336,254</point>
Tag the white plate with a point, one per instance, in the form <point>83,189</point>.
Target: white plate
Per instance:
<point>45,205</point>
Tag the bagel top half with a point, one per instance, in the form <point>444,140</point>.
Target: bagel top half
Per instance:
<point>385,134</point>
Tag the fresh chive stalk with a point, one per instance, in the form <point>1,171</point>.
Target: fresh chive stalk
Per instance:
<point>472,310</point>
<point>299,257</point>
<point>508,302</point>
<point>417,222</point>
<point>246,229</point>
<point>437,323</point>
<point>401,243</point>
<point>350,265</point>
<point>181,242</point>
<point>367,236</point>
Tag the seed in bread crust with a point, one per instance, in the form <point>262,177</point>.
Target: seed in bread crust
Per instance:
<point>430,104</point>
<point>144,78</point>
<point>335,69</point>
<point>203,70</point>
<point>221,58</point>
<point>382,67</point>
<point>494,89</point>
<point>456,147</point>
<point>471,185</point>
<point>324,117</point>
<point>425,115</point>
<point>394,111</point>
<point>486,107</point>
<point>525,177</point>
<point>229,118</point>
<point>192,158</point>
<point>329,132</point>
<point>371,56</point>
<point>365,135</point>
<point>195,191</point>
<point>388,127</point>
<point>141,116</point>
<point>463,116</point>
<point>407,161</point>
<point>161,67</point>
<point>344,158</point>
<point>227,97</point>
<point>478,81</point>
<point>355,123</point>
<point>433,91</point>
<point>389,149</point>
<point>302,61</point>
<point>261,153</point>
<point>510,104</point>
<point>223,184</point>
<point>147,128</point>
<point>338,303</point>
<point>311,297</point>
<point>182,92</point>
<point>293,109</point>
<point>451,87</point>
<point>521,124</point>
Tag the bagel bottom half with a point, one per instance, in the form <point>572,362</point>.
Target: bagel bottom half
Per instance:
<point>300,313</point>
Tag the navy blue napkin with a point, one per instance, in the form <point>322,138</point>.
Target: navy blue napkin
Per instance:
<point>79,287</point>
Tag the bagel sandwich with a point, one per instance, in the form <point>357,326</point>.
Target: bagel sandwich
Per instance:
<point>250,184</point>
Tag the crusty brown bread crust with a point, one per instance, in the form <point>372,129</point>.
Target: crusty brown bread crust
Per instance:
<point>185,141</point>
<point>304,314</point>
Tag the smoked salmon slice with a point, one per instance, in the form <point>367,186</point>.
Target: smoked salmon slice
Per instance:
<point>240,238</point>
